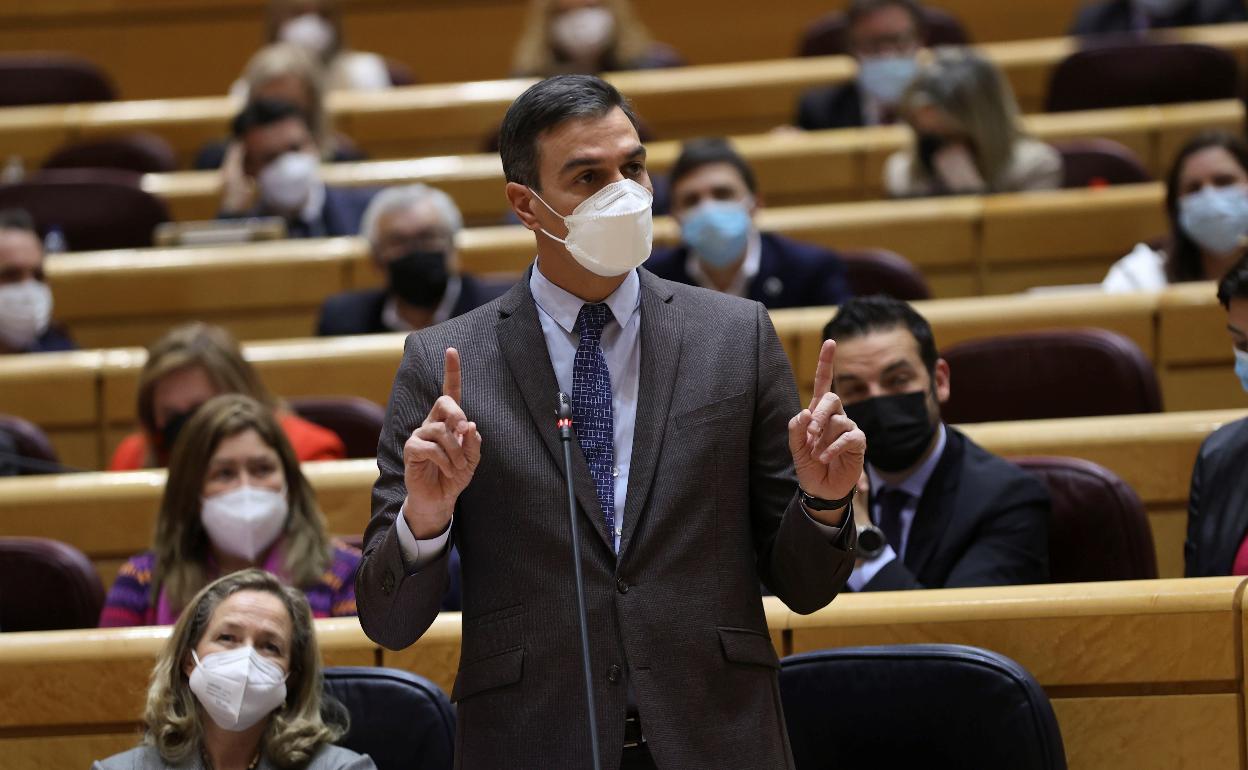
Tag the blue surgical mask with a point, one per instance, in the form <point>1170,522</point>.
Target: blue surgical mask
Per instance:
<point>718,231</point>
<point>1241,367</point>
<point>1215,217</point>
<point>885,78</point>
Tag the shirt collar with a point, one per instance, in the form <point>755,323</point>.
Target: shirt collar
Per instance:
<point>391,319</point>
<point>564,307</point>
<point>315,204</point>
<point>916,481</point>
<point>740,286</point>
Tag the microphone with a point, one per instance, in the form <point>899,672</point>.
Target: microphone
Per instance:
<point>565,435</point>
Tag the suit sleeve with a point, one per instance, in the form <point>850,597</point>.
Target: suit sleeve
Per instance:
<point>1190,567</point>
<point>796,560</point>
<point>397,606</point>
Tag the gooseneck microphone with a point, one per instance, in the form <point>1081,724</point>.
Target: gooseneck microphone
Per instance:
<point>565,435</point>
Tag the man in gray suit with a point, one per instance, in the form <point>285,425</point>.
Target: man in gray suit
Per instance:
<point>689,452</point>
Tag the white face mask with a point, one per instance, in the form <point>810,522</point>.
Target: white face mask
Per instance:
<point>611,232</point>
<point>1216,217</point>
<point>309,31</point>
<point>238,687</point>
<point>244,522</point>
<point>583,33</point>
<point>885,78</point>
<point>287,182</point>
<point>25,312</point>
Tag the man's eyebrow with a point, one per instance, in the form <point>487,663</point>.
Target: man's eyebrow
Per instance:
<point>639,152</point>
<point>894,366</point>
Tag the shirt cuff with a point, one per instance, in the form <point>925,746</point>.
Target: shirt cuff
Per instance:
<point>417,554</point>
<point>866,572</point>
<point>828,530</point>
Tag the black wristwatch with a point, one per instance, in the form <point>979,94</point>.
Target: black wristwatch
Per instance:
<point>871,541</point>
<point>819,504</point>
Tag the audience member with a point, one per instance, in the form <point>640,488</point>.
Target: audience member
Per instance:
<point>884,37</point>
<point>586,37</point>
<point>316,26</point>
<point>411,233</point>
<point>9,455</point>
<point>187,367</point>
<point>941,512</point>
<point>1107,17</point>
<point>714,197</point>
<point>273,168</point>
<point>235,498</point>
<point>245,656</point>
<point>967,135</point>
<point>1217,511</point>
<point>25,299</point>
<point>1207,204</point>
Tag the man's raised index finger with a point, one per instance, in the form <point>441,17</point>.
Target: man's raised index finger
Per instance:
<point>824,371</point>
<point>451,375</point>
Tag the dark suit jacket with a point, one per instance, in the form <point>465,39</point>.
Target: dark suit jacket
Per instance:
<point>359,312</point>
<point>1217,511</point>
<point>1116,16</point>
<point>341,215</point>
<point>830,107</point>
<point>790,273</point>
<point>54,340</point>
<point>982,521</point>
<point>711,509</point>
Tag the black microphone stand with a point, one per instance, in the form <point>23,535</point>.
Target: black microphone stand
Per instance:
<point>565,435</point>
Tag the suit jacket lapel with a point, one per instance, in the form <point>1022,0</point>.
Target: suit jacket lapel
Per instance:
<point>936,506</point>
<point>524,349</point>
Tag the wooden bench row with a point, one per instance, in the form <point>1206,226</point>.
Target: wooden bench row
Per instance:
<point>414,121</point>
<point>792,169</point>
<point>1142,675</point>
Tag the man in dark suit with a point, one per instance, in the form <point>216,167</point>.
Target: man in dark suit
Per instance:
<point>1217,511</point>
<point>715,197</point>
<point>26,324</point>
<point>1110,17</point>
<point>884,37</point>
<point>943,512</point>
<point>687,460</point>
<point>411,233</point>
<point>272,168</point>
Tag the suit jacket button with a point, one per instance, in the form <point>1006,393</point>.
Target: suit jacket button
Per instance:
<point>613,674</point>
<point>621,586</point>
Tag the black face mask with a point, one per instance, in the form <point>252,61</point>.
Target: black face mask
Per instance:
<point>419,278</point>
<point>928,145</point>
<point>173,428</point>
<point>898,428</point>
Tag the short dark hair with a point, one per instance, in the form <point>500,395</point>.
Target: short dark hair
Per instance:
<point>862,315</point>
<point>545,105</point>
<point>1183,258</point>
<point>696,153</point>
<point>860,8</point>
<point>1234,285</point>
<point>265,112</point>
<point>17,219</point>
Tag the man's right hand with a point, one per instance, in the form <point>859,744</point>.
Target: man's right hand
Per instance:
<point>440,458</point>
<point>238,193</point>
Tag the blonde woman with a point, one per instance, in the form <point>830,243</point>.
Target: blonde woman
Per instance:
<point>238,685</point>
<point>967,135</point>
<point>185,368</point>
<point>586,37</point>
<point>234,498</point>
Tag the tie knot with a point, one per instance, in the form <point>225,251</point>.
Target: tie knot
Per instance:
<point>591,320</point>
<point>891,497</point>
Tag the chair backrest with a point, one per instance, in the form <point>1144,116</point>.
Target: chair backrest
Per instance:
<point>925,705</point>
<point>1049,374</point>
<point>47,585</point>
<point>1140,74</point>
<point>93,208</point>
<point>1099,162</point>
<point>827,35</point>
<point>35,453</point>
<point>140,152</point>
<point>401,720</point>
<point>1099,530</point>
<point>879,271</point>
<point>400,73</point>
<point>356,420</point>
<point>51,78</point>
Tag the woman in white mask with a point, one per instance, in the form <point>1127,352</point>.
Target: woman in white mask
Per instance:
<point>234,498</point>
<point>238,685</point>
<point>316,26</point>
<point>1207,205</point>
<point>586,37</point>
<point>25,299</point>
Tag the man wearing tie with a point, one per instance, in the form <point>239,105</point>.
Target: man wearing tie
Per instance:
<point>695,472</point>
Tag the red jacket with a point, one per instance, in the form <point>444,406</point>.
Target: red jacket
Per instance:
<point>310,441</point>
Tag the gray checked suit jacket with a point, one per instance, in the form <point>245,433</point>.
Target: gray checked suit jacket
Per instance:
<point>711,510</point>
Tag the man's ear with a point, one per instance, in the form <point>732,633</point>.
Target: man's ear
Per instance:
<point>523,203</point>
<point>941,380</point>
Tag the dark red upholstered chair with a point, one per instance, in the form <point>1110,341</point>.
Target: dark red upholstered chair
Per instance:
<point>826,35</point>
<point>357,421</point>
<point>1098,162</point>
<point>1139,74</point>
<point>400,73</point>
<point>879,271</point>
<point>1047,375</point>
<point>35,453</point>
<point>1099,530</point>
<point>47,585</point>
<point>51,78</point>
<point>141,152</point>
<point>94,208</point>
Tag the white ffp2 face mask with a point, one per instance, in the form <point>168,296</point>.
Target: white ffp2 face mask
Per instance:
<point>309,31</point>
<point>286,183</point>
<point>25,312</point>
<point>244,522</point>
<point>611,231</point>
<point>237,687</point>
<point>584,32</point>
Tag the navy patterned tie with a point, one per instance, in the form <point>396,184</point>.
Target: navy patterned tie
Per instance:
<point>591,407</point>
<point>892,503</point>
